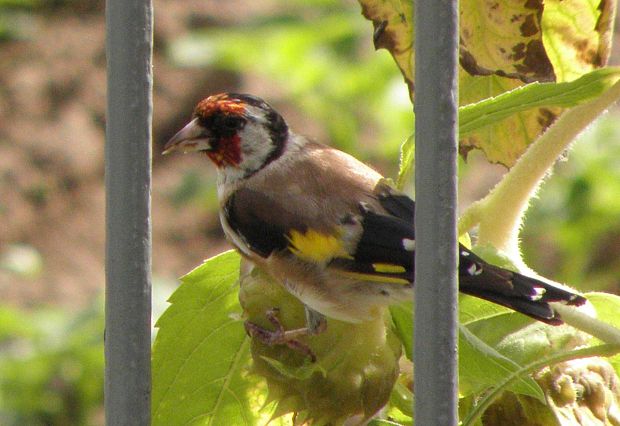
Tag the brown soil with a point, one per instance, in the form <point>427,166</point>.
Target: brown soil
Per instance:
<point>52,119</point>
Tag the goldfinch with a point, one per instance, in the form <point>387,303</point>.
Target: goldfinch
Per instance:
<point>327,227</point>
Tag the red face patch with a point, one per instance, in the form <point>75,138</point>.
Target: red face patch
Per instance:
<point>227,150</point>
<point>219,103</point>
<point>228,153</point>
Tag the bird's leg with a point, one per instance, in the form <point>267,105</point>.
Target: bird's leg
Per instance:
<point>315,324</point>
<point>315,321</point>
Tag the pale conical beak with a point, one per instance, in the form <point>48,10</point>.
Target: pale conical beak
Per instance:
<point>192,137</point>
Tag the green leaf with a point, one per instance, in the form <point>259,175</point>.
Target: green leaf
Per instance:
<point>607,308</point>
<point>201,353</point>
<point>407,158</point>
<point>481,366</point>
<point>527,41</point>
<point>521,129</point>
<point>466,405</point>
<point>393,30</point>
<point>381,422</point>
<point>489,111</point>
<point>401,400</point>
<point>511,117</point>
<point>487,117</point>
<point>524,340</point>
<point>538,340</point>
<point>603,350</point>
<point>465,239</point>
<point>472,309</point>
<point>577,35</point>
<point>504,39</point>
<point>402,315</point>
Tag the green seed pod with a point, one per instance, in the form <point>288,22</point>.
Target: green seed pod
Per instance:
<point>356,364</point>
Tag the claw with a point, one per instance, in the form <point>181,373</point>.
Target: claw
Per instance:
<point>279,336</point>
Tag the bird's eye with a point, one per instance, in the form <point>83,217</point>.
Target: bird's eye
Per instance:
<point>231,122</point>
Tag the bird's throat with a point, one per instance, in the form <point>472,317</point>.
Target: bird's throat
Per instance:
<point>228,152</point>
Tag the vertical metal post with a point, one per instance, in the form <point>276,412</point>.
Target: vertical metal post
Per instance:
<point>128,201</point>
<point>436,99</point>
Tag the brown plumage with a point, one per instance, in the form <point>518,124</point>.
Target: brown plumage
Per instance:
<point>326,226</point>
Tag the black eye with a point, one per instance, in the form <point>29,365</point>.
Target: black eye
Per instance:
<point>231,122</point>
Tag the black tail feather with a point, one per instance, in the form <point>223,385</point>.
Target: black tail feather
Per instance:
<point>384,240</point>
<point>527,295</point>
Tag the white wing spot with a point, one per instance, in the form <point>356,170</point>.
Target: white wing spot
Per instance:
<point>408,244</point>
<point>464,253</point>
<point>474,270</point>
<point>539,293</point>
<point>364,206</point>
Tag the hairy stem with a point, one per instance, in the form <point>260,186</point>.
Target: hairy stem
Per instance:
<point>583,321</point>
<point>500,213</point>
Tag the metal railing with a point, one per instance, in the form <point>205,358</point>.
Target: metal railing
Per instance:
<point>128,217</point>
<point>128,226</point>
<point>435,326</point>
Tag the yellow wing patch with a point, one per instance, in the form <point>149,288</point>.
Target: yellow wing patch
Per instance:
<point>388,268</point>
<point>314,246</point>
<point>373,278</point>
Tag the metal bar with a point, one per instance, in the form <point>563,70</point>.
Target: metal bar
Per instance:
<point>435,326</point>
<point>128,202</point>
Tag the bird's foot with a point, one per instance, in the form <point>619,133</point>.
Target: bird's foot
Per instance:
<point>280,336</point>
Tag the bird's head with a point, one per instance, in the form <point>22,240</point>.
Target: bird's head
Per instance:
<point>235,131</point>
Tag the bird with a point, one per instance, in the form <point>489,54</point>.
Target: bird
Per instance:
<point>329,228</point>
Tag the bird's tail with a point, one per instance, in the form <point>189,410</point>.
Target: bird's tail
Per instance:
<point>524,294</point>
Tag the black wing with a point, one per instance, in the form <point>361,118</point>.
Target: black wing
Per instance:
<point>249,214</point>
<point>388,242</point>
<point>385,249</point>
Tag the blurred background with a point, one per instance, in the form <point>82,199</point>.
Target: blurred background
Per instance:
<point>314,62</point>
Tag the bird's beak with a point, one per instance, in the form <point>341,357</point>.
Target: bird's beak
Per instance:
<point>192,137</point>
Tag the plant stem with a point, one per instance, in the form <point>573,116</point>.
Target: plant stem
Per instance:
<point>500,213</point>
<point>470,217</point>
<point>577,318</point>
